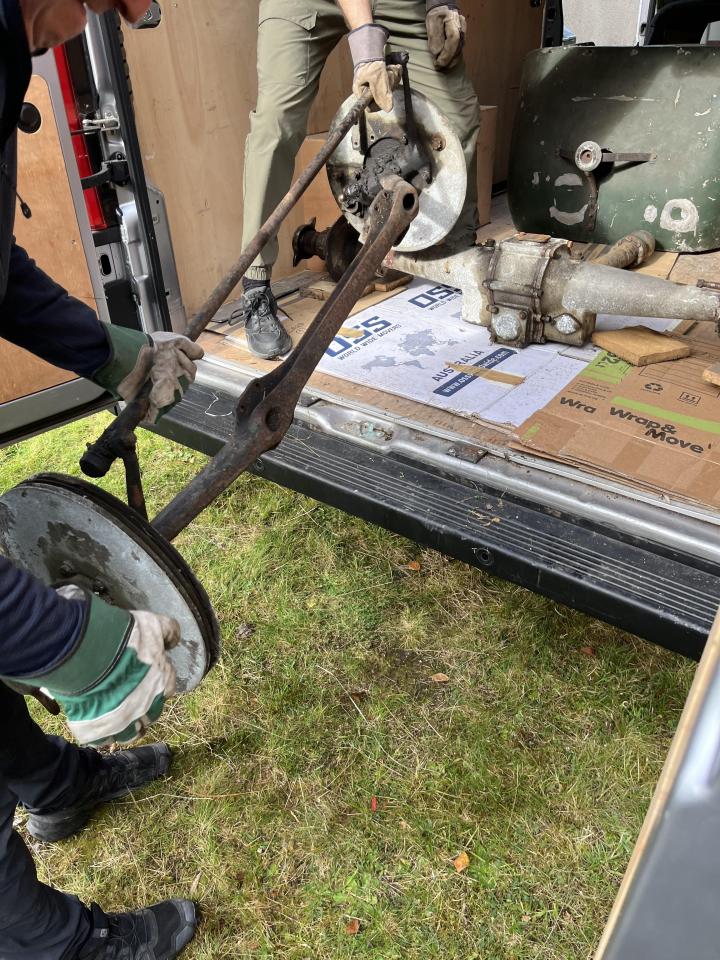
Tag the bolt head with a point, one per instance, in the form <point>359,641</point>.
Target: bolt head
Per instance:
<point>566,324</point>
<point>506,326</point>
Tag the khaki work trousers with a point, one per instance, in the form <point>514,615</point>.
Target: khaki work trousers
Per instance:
<point>295,38</point>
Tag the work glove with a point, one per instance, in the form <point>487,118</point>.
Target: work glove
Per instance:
<point>115,682</point>
<point>167,359</point>
<point>446,33</point>
<point>367,46</point>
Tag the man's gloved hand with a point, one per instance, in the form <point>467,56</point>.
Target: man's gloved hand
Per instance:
<point>167,359</point>
<point>367,46</point>
<point>114,683</point>
<point>446,33</point>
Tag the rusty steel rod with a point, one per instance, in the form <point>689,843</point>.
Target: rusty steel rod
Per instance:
<point>101,454</point>
<point>273,223</point>
<point>266,408</point>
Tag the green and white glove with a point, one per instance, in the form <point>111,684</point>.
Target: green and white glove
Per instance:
<point>115,682</point>
<point>167,359</point>
<point>446,28</point>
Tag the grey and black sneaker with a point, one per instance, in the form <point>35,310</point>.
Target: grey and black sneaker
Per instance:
<point>119,774</point>
<point>160,932</point>
<point>266,337</point>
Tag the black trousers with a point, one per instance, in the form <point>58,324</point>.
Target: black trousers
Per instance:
<point>44,773</point>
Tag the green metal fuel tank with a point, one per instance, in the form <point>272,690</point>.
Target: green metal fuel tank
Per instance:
<point>611,139</point>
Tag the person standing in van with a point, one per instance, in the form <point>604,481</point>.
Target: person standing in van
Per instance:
<point>295,38</point>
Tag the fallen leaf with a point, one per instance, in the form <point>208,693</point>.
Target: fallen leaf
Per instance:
<point>244,631</point>
<point>415,566</point>
<point>359,695</point>
<point>353,928</point>
<point>588,651</point>
<point>526,918</point>
<point>462,862</point>
<point>440,678</point>
<point>195,884</point>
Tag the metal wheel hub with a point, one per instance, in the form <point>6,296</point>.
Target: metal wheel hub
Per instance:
<point>440,202</point>
<point>62,529</point>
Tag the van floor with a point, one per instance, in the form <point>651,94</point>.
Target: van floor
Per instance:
<point>301,303</point>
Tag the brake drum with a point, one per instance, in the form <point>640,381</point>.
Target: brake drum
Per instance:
<point>441,202</point>
<point>64,530</point>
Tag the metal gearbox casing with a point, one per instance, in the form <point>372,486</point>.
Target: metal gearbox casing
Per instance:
<point>608,140</point>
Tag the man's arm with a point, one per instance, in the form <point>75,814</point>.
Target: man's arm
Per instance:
<point>357,13</point>
<point>367,46</point>
<point>38,628</point>
<point>39,315</point>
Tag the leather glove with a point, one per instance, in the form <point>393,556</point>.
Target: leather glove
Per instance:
<point>446,28</point>
<point>167,359</point>
<point>367,46</point>
<point>114,683</point>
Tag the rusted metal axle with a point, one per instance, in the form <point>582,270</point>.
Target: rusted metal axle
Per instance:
<point>266,408</point>
<point>112,443</point>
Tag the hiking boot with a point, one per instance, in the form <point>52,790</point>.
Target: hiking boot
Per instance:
<point>155,933</point>
<point>266,337</point>
<point>119,774</point>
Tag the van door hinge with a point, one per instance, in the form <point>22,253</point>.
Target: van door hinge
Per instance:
<point>101,124</point>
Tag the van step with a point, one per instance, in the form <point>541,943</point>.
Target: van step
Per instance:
<point>659,595</point>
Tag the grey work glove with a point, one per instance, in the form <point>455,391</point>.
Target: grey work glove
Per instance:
<point>446,33</point>
<point>169,362</point>
<point>367,46</point>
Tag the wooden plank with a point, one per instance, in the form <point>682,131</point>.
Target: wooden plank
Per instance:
<point>51,237</point>
<point>712,375</point>
<point>640,346</point>
<point>500,34</point>
<point>691,267</point>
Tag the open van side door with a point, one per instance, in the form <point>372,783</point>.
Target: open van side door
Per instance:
<point>96,226</point>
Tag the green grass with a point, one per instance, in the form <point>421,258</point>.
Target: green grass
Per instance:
<point>536,758</point>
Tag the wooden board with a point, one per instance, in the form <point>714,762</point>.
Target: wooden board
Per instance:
<point>500,34</point>
<point>51,237</point>
<point>194,81</point>
<point>640,346</point>
<point>712,375</point>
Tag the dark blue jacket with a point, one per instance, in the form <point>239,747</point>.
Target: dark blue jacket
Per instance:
<point>37,628</point>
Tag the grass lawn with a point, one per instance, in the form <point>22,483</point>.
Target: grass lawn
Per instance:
<point>321,777</point>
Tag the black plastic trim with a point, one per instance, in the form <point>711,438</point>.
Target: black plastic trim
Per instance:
<point>658,595</point>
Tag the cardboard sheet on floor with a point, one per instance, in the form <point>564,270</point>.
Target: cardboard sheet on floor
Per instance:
<point>656,426</point>
<point>416,345</point>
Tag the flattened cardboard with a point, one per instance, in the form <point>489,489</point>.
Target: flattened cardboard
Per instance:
<point>658,426</point>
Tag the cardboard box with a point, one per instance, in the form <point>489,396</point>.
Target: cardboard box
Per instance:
<point>658,426</point>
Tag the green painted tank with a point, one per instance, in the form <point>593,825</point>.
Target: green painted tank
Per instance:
<point>611,139</point>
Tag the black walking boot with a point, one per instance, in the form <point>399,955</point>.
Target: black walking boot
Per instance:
<point>155,933</point>
<point>266,337</point>
<point>119,774</point>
